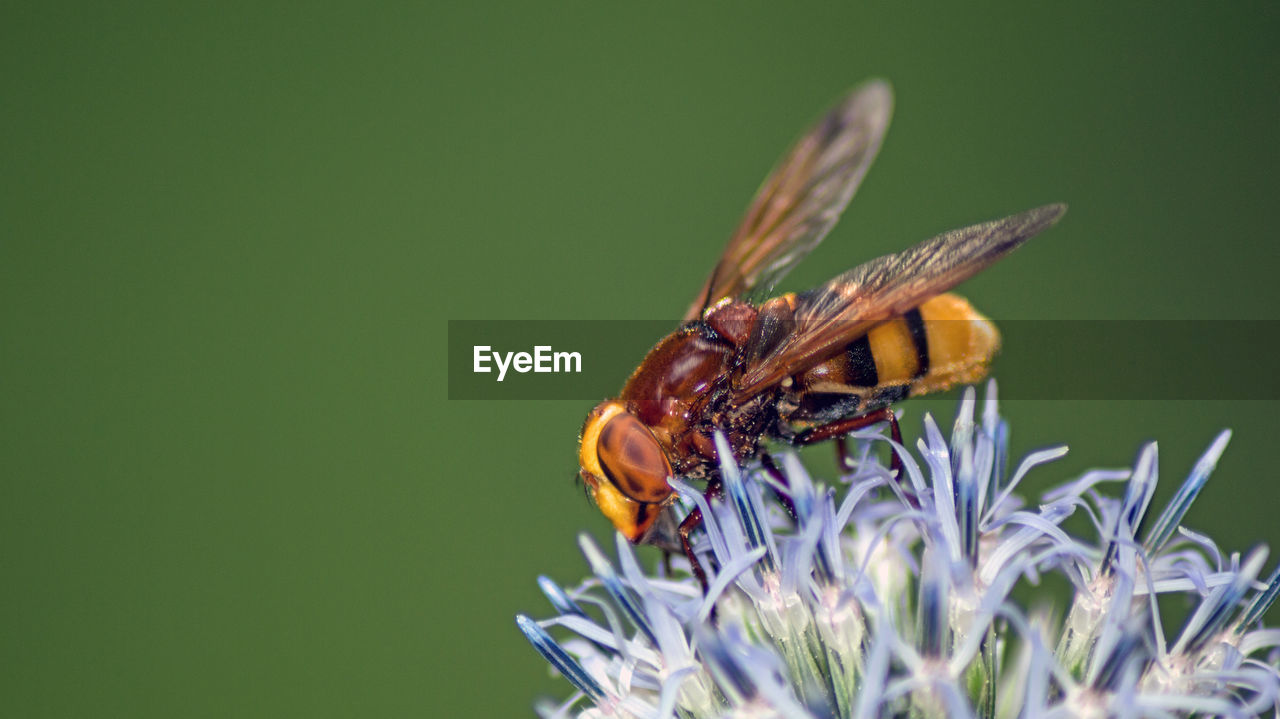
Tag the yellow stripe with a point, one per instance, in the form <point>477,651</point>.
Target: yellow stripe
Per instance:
<point>894,352</point>
<point>961,343</point>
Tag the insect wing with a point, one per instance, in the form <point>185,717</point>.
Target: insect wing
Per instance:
<point>802,198</point>
<point>824,320</point>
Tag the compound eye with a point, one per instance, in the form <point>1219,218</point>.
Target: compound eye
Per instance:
<point>633,460</point>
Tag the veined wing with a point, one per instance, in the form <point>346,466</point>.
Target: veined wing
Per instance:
<point>822,321</point>
<point>802,198</point>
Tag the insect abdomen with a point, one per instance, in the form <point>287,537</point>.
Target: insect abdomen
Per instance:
<point>961,344</point>
<point>941,343</point>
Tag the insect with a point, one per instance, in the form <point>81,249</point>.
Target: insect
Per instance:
<point>799,368</point>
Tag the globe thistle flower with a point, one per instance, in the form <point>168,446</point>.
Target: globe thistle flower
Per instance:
<point>893,597</point>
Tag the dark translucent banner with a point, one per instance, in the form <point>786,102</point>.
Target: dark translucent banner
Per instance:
<point>1062,359</point>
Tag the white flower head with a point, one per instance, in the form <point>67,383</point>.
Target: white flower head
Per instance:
<point>893,597</point>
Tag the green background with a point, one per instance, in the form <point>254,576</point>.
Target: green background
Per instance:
<point>231,236</point>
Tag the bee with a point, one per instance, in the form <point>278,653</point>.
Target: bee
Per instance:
<point>800,367</point>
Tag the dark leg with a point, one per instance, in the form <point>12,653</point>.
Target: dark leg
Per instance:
<point>687,526</point>
<point>772,468</point>
<point>691,523</point>
<point>839,428</point>
<point>842,454</point>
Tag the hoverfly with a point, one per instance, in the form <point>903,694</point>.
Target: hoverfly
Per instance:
<point>800,368</point>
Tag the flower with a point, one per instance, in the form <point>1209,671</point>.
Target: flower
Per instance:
<point>894,597</point>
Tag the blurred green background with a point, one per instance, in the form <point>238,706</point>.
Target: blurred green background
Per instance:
<point>231,236</point>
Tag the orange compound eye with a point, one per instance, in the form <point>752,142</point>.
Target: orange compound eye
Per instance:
<point>633,460</point>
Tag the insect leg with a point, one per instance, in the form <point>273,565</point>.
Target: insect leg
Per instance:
<point>687,526</point>
<point>771,467</point>
<point>840,428</point>
<point>842,454</point>
<point>692,522</point>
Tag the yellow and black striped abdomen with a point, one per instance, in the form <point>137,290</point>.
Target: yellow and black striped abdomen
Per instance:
<point>941,343</point>
<point>962,343</point>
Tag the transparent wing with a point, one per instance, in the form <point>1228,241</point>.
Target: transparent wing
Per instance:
<point>827,318</point>
<point>802,198</point>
